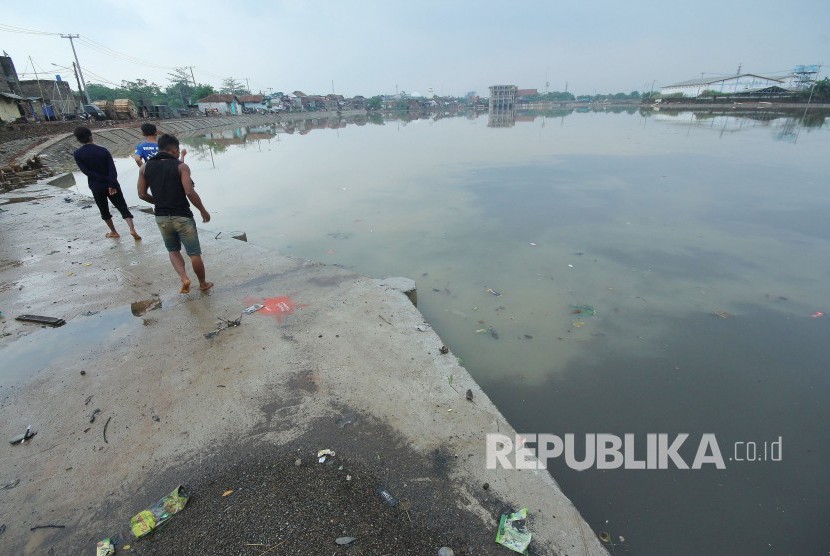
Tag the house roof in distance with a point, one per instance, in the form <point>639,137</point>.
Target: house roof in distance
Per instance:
<point>218,98</point>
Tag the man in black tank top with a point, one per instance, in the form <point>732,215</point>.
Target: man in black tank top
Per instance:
<point>170,187</point>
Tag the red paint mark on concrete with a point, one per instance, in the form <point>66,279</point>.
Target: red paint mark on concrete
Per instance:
<point>277,307</point>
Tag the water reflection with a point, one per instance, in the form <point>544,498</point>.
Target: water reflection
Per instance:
<point>503,118</point>
<point>703,252</point>
<point>784,123</point>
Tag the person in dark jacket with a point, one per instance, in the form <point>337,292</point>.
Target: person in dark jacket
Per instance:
<point>97,164</point>
<point>165,182</point>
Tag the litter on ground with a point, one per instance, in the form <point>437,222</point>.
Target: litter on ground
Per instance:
<point>513,531</point>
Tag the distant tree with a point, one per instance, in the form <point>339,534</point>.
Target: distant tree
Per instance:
<point>142,92</point>
<point>634,94</point>
<point>821,89</point>
<point>374,103</point>
<point>560,96</point>
<point>102,92</point>
<point>180,90</point>
<point>202,90</point>
<point>232,86</point>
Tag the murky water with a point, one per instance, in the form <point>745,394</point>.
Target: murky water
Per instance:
<point>702,245</point>
<point>52,348</point>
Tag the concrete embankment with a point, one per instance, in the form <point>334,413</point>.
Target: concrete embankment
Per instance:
<point>331,348</point>
<point>121,141</point>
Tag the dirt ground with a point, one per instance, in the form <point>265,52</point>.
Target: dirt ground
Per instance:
<point>18,139</point>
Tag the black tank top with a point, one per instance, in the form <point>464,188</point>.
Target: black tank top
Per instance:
<point>165,183</point>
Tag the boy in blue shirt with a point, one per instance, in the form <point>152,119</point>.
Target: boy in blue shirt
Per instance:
<point>149,148</point>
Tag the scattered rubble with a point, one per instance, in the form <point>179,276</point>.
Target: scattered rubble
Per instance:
<point>15,176</point>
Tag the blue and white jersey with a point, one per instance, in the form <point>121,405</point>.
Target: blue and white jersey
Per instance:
<point>146,150</point>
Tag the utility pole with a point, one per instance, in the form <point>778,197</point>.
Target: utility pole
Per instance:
<point>78,65</point>
<point>247,85</point>
<point>42,96</point>
<point>191,76</point>
<point>77,79</point>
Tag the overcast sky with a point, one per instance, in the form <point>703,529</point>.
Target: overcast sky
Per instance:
<point>446,47</point>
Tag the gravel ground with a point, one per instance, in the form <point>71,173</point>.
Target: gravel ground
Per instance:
<point>277,507</point>
<point>299,510</point>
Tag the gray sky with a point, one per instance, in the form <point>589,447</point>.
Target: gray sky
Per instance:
<point>371,47</point>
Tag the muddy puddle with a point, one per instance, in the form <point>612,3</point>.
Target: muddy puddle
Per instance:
<point>48,350</point>
<point>13,200</point>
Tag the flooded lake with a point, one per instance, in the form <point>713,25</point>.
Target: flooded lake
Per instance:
<point>660,273</point>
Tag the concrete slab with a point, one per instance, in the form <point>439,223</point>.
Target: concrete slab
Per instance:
<point>327,342</point>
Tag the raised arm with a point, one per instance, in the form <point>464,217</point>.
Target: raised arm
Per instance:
<point>190,191</point>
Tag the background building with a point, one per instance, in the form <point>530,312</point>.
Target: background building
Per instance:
<point>8,77</point>
<point>502,97</point>
<point>801,78</point>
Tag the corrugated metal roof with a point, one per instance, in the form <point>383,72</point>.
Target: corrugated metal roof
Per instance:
<point>710,80</point>
<point>217,98</point>
<point>13,96</point>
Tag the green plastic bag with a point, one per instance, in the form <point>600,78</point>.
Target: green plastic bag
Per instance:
<point>513,531</point>
<point>104,548</point>
<point>157,514</point>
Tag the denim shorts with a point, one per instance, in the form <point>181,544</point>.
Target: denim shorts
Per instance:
<point>177,231</point>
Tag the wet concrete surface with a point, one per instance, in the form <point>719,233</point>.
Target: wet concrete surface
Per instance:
<point>234,411</point>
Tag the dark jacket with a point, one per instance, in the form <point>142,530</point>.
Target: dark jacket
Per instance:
<point>96,162</point>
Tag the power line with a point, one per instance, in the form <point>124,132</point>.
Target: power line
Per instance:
<point>102,79</point>
<point>213,75</point>
<point>13,29</point>
<point>89,43</point>
<point>98,47</point>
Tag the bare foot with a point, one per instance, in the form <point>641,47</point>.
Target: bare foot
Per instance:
<point>206,286</point>
<point>112,234</point>
<point>135,235</point>
<point>185,287</point>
